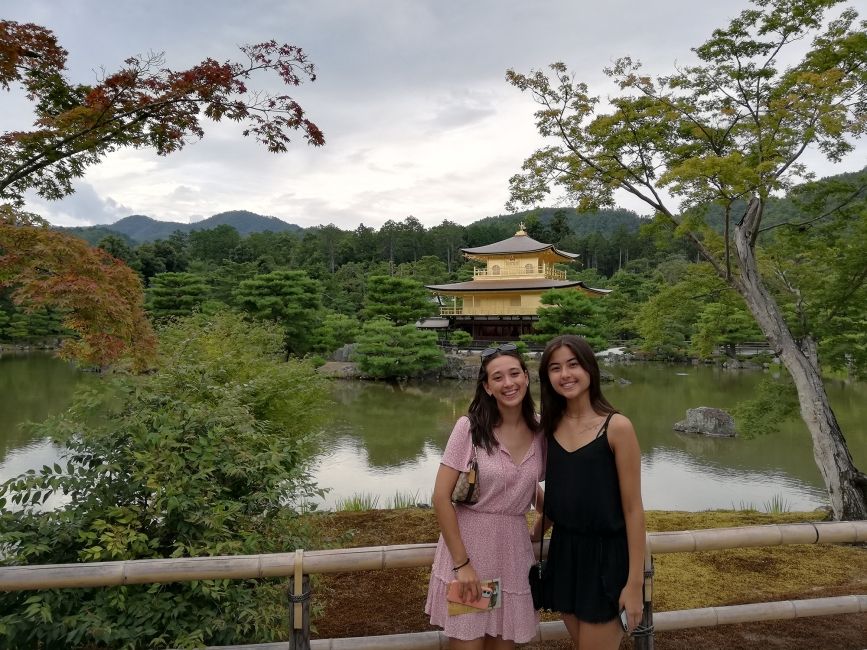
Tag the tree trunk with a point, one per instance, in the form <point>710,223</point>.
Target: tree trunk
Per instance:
<point>847,487</point>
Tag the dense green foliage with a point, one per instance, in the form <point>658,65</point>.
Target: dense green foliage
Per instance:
<point>205,456</point>
<point>389,351</point>
<point>658,300</point>
<point>570,312</point>
<point>175,294</point>
<point>290,298</point>
<point>725,133</point>
<point>400,300</point>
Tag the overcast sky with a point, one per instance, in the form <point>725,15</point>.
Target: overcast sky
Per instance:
<point>411,95</point>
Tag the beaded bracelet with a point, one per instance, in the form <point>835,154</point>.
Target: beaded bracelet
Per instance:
<point>462,564</point>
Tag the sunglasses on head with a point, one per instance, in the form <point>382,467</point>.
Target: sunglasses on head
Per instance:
<point>505,347</point>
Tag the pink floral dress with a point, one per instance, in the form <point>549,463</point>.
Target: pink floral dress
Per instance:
<point>495,534</point>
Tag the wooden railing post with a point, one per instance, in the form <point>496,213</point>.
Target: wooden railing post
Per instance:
<point>643,636</point>
<point>299,610</point>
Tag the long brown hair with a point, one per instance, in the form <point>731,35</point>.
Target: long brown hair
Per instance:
<point>553,403</point>
<point>484,414</point>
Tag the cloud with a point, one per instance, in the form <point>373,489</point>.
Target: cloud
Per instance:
<point>417,115</point>
<point>83,208</point>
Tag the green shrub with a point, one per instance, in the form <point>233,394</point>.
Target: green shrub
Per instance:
<point>460,338</point>
<point>202,457</point>
<point>386,350</point>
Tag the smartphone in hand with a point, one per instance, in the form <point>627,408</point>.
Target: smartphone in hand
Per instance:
<point>624,621</point>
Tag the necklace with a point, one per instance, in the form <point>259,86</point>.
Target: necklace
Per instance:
<point>582,428</point>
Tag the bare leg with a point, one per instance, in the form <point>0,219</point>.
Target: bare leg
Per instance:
<point>475,644</point>
<point>497,643</point>
<point>573,626</point>
<point>593,636</point>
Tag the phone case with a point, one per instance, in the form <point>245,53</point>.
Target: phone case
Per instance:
<point>624,620</point>
<point>489,600</point>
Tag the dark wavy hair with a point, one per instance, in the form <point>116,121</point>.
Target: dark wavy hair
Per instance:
<point>484,414</point>
<point>554,404</point>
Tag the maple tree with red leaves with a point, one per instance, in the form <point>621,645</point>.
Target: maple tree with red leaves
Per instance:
<point>99,297</point>
<point>142,105</point>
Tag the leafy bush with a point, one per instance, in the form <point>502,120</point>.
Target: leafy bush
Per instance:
<point>772,403</point>
<point>460,338</point>
<point>386,350</point>
<point>202,457</point>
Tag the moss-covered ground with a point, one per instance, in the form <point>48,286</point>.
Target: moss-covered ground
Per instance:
<point>392,601</point>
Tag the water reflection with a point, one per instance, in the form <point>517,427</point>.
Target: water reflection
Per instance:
<point>32,387</point>
<point>385,438</point>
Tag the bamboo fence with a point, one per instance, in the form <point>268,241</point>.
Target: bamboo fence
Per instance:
<point>130,572</point>
<point>299,563</point>
<point>556,630</point>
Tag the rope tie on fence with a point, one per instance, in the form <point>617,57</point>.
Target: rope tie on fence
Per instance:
<point>297,596</point>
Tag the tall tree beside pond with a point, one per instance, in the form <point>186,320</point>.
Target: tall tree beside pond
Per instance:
<point>290,298</point>
<point>32,325</point>
<point>144,104</point>
<point>99,298</point>
<point>630,288</point>
<point>389,351</point>
<point>820,260</point>
<point>724,324</point>
<point>565,311</point>
<point>401,300</point>
<point>175,294</point>
<point>334,331</point>
<point>733,126</point>
<point>666,322</point>
<point>208,455</point>
<point>344,291</point>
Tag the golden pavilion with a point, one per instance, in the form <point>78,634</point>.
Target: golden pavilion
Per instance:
<point>500,302</point>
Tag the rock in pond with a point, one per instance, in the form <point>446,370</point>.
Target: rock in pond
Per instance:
<point>708,421</point>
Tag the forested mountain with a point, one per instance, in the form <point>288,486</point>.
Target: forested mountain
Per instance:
<point>140,229</point>
<point>602,222</point>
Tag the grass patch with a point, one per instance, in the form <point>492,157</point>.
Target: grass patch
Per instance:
<point>358,502</point>
<point>777,505</point>
<point>402,500</point>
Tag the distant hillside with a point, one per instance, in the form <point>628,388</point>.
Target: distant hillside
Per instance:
<point>605,222</point>
<point>139,228</point>
<point>94,234</point>
<point>779,210</point>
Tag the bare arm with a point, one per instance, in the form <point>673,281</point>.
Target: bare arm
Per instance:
<point>627,457</point>
<point>445,482</point>
<point>539,503</point>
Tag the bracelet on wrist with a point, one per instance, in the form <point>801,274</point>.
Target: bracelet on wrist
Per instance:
<point>462,564</point>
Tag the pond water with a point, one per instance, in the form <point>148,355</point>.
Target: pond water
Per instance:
<point>389,439</point>
<point>385,439</point>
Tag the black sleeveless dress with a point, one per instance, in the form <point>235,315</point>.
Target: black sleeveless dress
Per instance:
<point>588,557</point>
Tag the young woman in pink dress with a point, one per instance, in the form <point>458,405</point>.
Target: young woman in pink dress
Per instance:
<point>489,539</point>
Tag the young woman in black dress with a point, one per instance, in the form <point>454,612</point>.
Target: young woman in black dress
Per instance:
<point>593,498</point>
